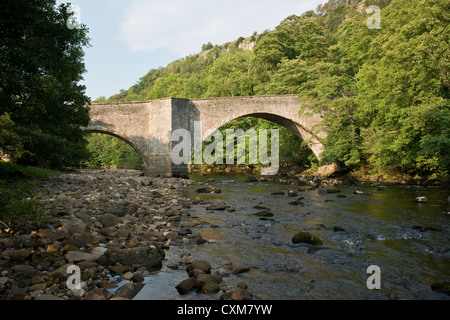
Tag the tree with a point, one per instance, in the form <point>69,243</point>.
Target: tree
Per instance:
<point>42,65</point>
<point>230,75</point>
<point>405,88</point>
<point>207,47</point>
<point>170,86</point>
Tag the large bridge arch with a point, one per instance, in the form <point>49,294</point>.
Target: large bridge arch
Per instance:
<point>148,126</point>
<point>306,135</point>
<point>282,110</point>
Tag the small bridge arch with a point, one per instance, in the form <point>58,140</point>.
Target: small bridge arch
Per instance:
<point>130,143</point>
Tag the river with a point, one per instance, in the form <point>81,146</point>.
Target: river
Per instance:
<point>380,225</point>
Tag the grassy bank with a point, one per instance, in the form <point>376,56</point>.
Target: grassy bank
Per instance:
<point>12,170</point>
<point>19,212</point>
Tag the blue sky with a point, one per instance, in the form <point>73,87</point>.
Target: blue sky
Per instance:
<point>130,37</point>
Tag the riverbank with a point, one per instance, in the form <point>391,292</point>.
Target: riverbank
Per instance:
<point>292,173</point>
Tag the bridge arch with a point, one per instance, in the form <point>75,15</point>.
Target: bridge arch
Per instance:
<point>127,141</point>
<point>294,127</point>
<point>282,110</point>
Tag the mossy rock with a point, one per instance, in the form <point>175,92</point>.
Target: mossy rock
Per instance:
<point>441,287</point>
<point>305,237</point>
<point>264,214</point>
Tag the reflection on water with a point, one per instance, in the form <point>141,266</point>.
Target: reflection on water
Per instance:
<point>357,231</point>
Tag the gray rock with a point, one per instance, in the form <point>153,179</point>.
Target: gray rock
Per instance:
<point>37,287</point>
<point>59,235</point>
<point>217,207</point>
<point>78,228</point>
<point>137,277</point>
<point>422,200</point>
<point>77,256</point>
<point>209,190</point>
<point>148,256</point>
<point>22,254</point>
<point>98,294</point>
<point>186,285</point>
<point>195,273</point>
<point>199,264</point>
<point>172,265</point>
<point>237,267</point>
<point>305,237</point>
<point>26,269</point>
<point>210,287</point>
<point>201,279</point>
<point>118,269</point>
<point>109,220</point>
<point>128,276</point>
<point>61,272</point>
<point>241,294</point>
<point>264,214</point>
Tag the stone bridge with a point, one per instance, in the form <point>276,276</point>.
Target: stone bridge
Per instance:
<point>148,126</point>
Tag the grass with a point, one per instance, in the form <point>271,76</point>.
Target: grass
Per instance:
<point>10,170</point>
<point>19,212</point>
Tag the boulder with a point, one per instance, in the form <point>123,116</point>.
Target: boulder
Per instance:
<point>22,254</point>
<point>441,287</point>
<point>264,214</point>
<point>241,294</point>
<point>186,285</point>
<point>77,256</point>
<point>217,207</point>
<point>305,237</point>
<point>210,287</point>
<point>209,190</point>
<point>328,170</point>
<point>422,200</point>
<point>128,291</point>
<point>109,220</point>
<point>237,267</point>
<point>148,256</point>
<point>98,294</point>
<point>199,264</point>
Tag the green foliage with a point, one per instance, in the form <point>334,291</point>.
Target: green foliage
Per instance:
<point>384,93</point>
<point>292,149</point>
<point>18,211</point>
<point>230,75</point>
<point>107,151</point>
<point>41,100</point>
<point>8,170</point>
<point>207,47</point>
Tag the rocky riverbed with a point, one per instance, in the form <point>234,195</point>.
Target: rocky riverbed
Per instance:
<point>111,230</point>
<point>110,226</point>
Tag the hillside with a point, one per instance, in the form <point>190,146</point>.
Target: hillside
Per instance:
<point>385,90</point>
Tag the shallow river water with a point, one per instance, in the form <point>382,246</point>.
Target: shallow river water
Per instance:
<point>385,227</point>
